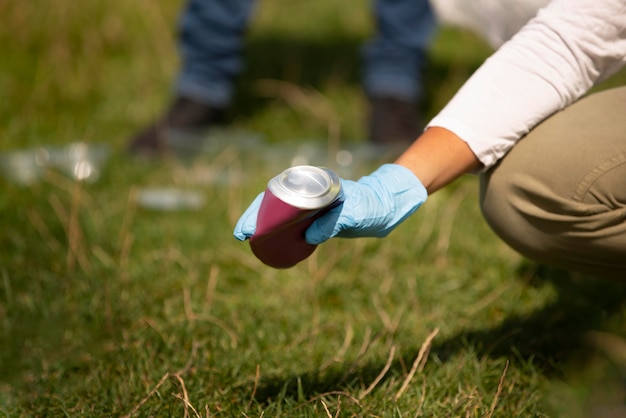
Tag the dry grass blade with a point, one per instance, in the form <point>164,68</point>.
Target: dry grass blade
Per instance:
<point>347,341</point>
<point>191,316</point>
<point>311,100</point>
<point>147,397</point>
<point>380,375</point>
<point>336,392</point>
<point>42,229</point>
<point>177,374</point>
<point>210,319</point>
<point>256,385</point>
<point>187,406</point>
<point>367,343</point>
<point>338,407</point>
<point>498,391</point>
<point>326,409</point>
<point>7,285</point>
<point>185,398</point>
<point>487,300</point>
<point>390,324</point>
<point>210,287</point>
<point>73,232</point>
<point>420,360</point>
<point>447,221</point>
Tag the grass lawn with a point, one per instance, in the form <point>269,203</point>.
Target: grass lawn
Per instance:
<point>110,308</point>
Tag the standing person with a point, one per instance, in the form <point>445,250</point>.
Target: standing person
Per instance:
<point>211,46</point>
<point>552,161</point>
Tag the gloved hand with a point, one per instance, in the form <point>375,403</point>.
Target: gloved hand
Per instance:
<point>373,206</point>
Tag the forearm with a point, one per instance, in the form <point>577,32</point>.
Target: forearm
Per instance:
<point>438,157</point>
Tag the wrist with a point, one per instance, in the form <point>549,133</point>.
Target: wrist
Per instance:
<point>398,178</point>
<point>438,157</point>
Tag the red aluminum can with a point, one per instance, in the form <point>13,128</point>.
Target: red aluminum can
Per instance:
<point>292,201</point>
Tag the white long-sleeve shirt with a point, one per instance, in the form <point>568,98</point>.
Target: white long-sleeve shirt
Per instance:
<point>495,20</point>
<point>555,58</point>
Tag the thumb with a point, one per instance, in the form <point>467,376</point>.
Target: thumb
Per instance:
<point>325,227</point>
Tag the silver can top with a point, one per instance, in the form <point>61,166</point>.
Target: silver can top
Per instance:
<point>306,187</point>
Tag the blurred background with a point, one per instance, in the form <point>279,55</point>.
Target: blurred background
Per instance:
<point>122,290</point>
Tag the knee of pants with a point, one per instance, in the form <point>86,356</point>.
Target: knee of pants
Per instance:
<point>501,203</point>
<point>559,195</point>
<point>581,232</point>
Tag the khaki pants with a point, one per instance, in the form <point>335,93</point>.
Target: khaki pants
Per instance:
<point>559,196</point>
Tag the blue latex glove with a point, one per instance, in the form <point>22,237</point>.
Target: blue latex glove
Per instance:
<point>373,206</point>
<point>246,225</point>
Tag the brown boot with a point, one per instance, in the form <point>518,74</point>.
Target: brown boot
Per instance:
<point>393,121</point>
<point>185,116</point>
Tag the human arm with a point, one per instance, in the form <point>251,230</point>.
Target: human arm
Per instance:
<point>438,157</point>
<point>554,60</point>
<point>570,46</point>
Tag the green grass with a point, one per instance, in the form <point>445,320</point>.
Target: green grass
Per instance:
<point>110,309</point>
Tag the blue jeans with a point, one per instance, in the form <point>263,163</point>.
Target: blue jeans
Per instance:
<point>211,46</point>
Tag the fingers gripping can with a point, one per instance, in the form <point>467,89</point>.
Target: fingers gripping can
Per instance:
<point>292,201</point>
